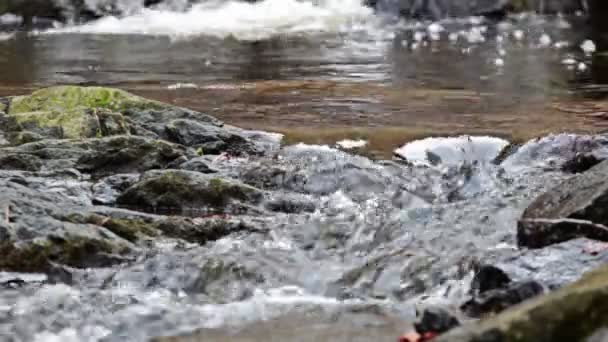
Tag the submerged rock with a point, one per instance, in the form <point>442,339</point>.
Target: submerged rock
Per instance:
<point>181,191</point>
<point>569,314</point>
<point>575,208</point>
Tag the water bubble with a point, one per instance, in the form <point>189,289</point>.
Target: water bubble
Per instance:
<point>544,40</point>
<point>581,67</point>
<point>518,34</point>
<point>569,61</point>
<point>588,47</point>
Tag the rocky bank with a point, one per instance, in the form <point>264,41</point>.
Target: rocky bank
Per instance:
<point>122,216</point>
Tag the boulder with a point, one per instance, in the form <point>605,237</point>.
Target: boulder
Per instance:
<point>575,208</point>
<point>182,191</point>
<point>35,235</point>
<point>208,138</point>
<point>116,154</point>
<point>572,313</point>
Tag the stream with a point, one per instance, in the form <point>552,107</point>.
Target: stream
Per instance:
<point>361,238</point>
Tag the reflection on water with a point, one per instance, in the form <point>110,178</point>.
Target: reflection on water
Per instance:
<point>403,80</point>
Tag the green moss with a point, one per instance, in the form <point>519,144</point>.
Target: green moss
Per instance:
<point>70,98</point>
<point>37,256</point>
<point>130,229</point>
<point>73,123</point>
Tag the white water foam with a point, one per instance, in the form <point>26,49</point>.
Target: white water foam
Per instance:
<point>453,150</point>
<point>240,20</point>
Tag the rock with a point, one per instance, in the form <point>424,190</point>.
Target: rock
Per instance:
<point>290,204</point>
<point>488,278</point>
<point>69,112</point>
<point>204,230</point>
<point>208,138</point>
<point>39,236</point>
<point>65,124</point>
<point>317,170</point>
<point>182,190</point>
<point>572,313</point>
<point>580,163</point>
<point>435,320</point>
<point>575,208</point>
<point>198,165</point>
<point>107,189</point>
<point>497,300</point>
<point>116,154</point>
<point>153,121</point>
<point>554,151</point>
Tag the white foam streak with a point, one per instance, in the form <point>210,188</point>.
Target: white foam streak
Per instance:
<point>241,20</point>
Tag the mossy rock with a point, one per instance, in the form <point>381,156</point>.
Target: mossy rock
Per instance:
<point>570,314</point>
<point>71,112</point>
<point>129,229</point>
<point>68,98</point>
<point>183,190</point>
<point>39,255</point>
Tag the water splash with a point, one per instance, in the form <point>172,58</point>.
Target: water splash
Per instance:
<point>240,20</point>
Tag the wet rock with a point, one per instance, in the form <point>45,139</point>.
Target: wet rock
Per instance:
<point>436,320</point>
<point>153,121</point>
<point>497,300</point>
<point>580,163</point>
<point>317,170</point>
<point>67,124</point>
<point>117,154</point>
<point>198,165</point>
<point>546,318</point>
<point>488,278</point>
<point>130,229</point>
<point>69,112</point>
<point>204,230</point>
<point>181,190</point>
<point>552,152</point>
<point>107,189</point>
<point>575,208</point>
<point>40,237</point>
<point>291,204</point>
<point>208,138</point>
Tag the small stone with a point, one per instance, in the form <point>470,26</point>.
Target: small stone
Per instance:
<point>488,278</point>
<point>435,320</point>
<point>495,301</point>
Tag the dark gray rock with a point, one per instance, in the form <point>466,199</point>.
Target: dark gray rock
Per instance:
<point>208,138</point>
<point>488,278</point>
<point>117,154</point>
<point>154,121</point>
<point>107,189</point>
<point>40,236</point>
<point>500,299</point>
<point>435,320</point>
<point>183,190</point>
<point>575,208</point>
<point>198,165</point>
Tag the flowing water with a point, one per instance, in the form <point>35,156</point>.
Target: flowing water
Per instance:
<point>383,236</point>
<point>326,70</point>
